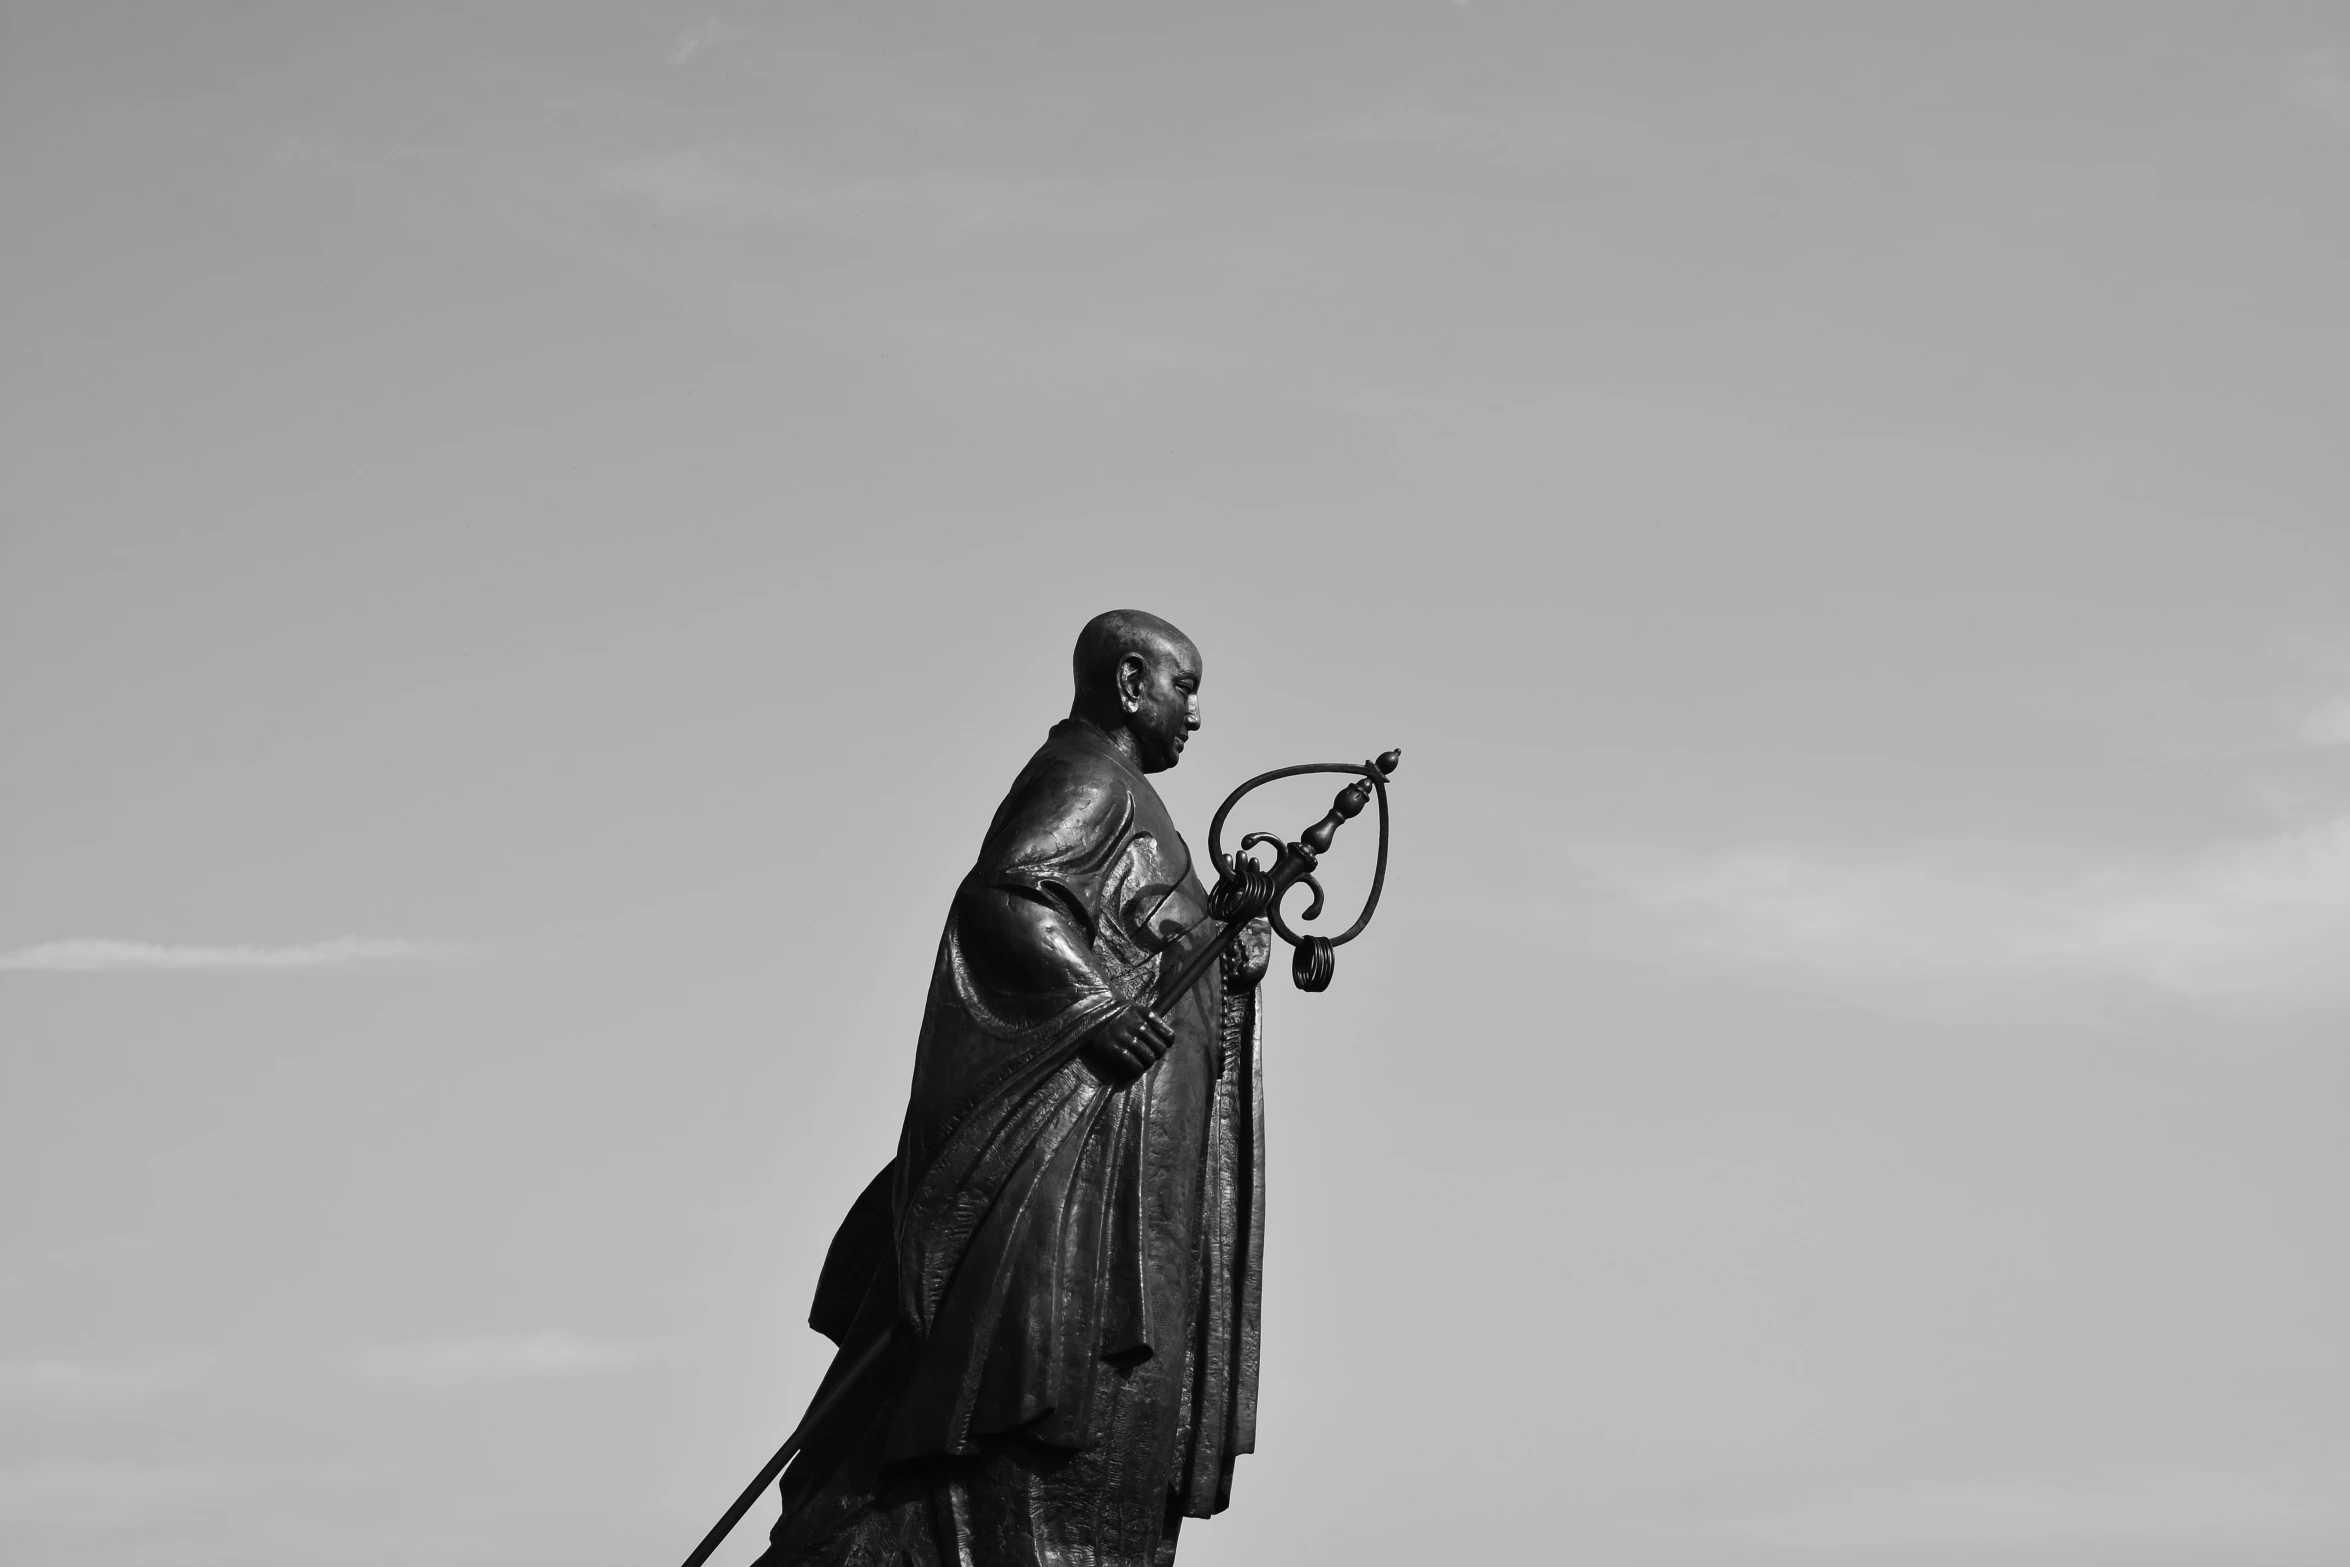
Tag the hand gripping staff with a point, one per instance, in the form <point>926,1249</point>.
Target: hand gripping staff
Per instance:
<point>1244,890</point>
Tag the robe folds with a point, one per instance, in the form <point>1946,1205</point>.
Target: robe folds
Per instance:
<point>1052,1290</point>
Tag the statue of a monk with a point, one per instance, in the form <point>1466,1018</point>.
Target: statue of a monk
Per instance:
<point>1046,1305</point>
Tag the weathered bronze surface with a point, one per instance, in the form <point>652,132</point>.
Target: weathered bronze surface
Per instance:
<point>1047,1303</point>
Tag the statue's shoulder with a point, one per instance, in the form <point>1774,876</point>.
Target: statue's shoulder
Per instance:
<point>1074,799</point>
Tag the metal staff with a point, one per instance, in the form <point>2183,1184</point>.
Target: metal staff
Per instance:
<point>786,1453</point>
<point>1245,889</point>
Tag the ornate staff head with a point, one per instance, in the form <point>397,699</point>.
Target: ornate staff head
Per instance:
<point>1246,888</point>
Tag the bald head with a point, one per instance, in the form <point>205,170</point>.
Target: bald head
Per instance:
<point>1138,682</point>
<point>1108,639</point>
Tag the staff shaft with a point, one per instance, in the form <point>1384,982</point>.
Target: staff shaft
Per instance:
<point>784,1455</point>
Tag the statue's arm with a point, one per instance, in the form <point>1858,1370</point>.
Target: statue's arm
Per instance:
<point>1029,944</point>
<point>1035,947</point>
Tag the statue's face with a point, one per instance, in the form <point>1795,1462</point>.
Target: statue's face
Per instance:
<point>1163,688</point>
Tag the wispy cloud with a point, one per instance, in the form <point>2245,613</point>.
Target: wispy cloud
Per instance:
<point>2314,686</point>
<point>89,1493</point>
<point>1529,137</point>
<point>459,1363</point>
<point>100,956</point>
<point>705,185</point>
<point>96,1493</point>
<point>309,153</point>
<point>81,1386</point>
<point>2210,1512</point>
<point>740,186</point>
<point>712,33</point>
<point>2326,723</point>
<point>1553,137</point>
<point>2262,921</point>
<point>2317,82</point>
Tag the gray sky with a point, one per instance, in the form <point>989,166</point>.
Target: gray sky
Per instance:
<point>533,536</point>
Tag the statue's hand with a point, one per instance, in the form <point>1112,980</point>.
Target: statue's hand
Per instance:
<point>1246,959</point>
<point>1129,1042</point>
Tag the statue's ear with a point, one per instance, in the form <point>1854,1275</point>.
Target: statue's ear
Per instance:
<point>1134,674</point>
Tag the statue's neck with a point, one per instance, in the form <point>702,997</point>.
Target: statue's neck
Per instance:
<point>1116,736</point>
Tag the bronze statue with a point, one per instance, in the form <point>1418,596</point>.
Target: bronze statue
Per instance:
<point>1046,1305</point>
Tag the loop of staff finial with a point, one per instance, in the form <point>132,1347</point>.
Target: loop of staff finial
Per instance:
<point>1243,892</point>
<point>1246,889</point>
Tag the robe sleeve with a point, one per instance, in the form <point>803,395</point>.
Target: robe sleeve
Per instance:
<point>1057,838</point>
<point>1027,918</point>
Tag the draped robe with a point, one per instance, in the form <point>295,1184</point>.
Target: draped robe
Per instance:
<point>1057,1277</point>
